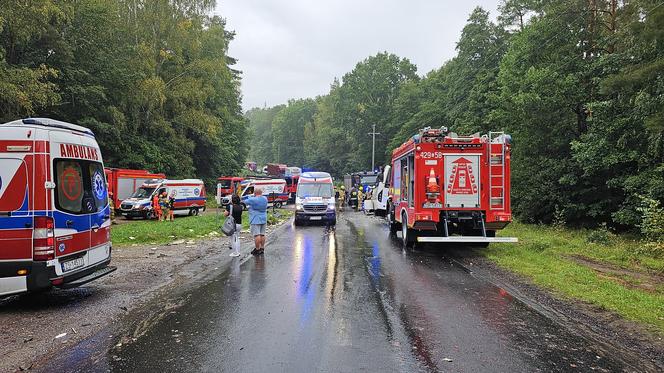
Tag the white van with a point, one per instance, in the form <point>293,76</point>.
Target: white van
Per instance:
<point>314,200</point>
<point>189,197</point>
<point>54,211</point>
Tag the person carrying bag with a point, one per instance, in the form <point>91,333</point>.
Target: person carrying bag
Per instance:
<point>233,224</point>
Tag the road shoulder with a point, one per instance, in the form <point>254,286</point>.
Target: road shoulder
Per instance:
<point>40,331</point>
<point>599,325</point>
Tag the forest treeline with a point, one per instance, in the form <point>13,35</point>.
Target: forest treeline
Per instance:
<point>579,84</point>
<point>152,79</point>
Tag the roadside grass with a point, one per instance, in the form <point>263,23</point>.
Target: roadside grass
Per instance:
<point>611,275</point>
<point>153,232</point>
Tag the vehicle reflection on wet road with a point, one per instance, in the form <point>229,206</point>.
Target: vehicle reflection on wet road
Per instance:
<point>354,300</point>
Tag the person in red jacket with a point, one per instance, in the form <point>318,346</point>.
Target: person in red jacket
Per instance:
<point>155,206</point>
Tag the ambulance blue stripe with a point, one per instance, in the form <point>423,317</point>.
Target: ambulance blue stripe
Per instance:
<point>15,222</point>
<point>80,223</point>
<point>190,199</point>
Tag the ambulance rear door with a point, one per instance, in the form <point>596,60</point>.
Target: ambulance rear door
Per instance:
<point>15,212</point>
<point>73,201</point>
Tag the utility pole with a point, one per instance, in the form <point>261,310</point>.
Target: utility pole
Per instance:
<point>373,133</point>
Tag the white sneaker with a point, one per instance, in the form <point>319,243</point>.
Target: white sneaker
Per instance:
<point>234,254</point>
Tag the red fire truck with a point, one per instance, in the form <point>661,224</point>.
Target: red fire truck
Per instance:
<point>450,188</point>
<point>227,185</point>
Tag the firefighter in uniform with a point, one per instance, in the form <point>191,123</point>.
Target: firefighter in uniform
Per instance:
<point>360,199</point>
<point>342,198</point>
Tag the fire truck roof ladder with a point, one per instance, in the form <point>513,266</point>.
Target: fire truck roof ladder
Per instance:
<point>496,161</point>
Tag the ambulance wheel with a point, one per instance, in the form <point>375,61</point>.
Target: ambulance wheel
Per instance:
<point>193,211</point>
<point>297,222</point>
<point>408,236</point>
<point>277,205</point>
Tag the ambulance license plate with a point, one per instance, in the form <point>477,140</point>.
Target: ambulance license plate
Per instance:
<point>315,218</point>
<point>72,264</point>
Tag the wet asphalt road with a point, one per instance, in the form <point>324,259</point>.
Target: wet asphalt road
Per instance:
<point>352,301</point>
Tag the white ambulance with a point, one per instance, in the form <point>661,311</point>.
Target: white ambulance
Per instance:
<point>54,212</point>
<point>189,195</point>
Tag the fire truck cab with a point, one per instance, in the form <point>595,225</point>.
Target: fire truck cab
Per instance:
<point>450,188</point>
<point>227,185</point>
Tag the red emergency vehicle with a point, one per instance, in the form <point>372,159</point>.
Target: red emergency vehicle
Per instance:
<point>122,183</point>
<point>276,169</point>
<point>291,186</point>
<point>54,212</point>
<point>451,188</point>
<point>227,185</point>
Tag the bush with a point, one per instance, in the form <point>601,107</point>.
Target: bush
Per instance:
<point>651,249</point>
<point>601,236</point>
<point>652,220</point>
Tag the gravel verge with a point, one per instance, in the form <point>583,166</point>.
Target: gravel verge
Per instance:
<point>38,328</point>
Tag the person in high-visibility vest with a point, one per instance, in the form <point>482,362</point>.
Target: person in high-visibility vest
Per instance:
<point>360,199</point>
<point>342,198</point>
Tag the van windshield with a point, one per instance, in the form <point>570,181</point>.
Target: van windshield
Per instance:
<point>142,192</point>
<point>323,190</point>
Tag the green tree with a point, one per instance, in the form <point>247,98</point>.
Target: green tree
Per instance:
<point>288,131</point>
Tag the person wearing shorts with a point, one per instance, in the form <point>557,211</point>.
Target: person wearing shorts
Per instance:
<point>257,220</point>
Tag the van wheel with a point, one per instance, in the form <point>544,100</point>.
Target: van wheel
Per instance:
<point>193,211</point>
<point>407,235</point>
<point>297,222</point>
<point>277,205</point>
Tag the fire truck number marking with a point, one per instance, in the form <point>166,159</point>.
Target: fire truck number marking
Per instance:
<point>71,182</point>
<point>435,155</point>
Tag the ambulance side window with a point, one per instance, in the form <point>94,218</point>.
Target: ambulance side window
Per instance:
<point>69,181</point>
<point>98,185</point>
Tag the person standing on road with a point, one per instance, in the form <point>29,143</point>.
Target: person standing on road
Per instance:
<point>235,208</point>
<point>258,220</point>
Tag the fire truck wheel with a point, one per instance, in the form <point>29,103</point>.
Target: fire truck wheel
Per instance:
<point>407,235</point>
<point>394,225</point>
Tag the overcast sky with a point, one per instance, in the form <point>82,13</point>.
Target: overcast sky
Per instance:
<point>295,48</point>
